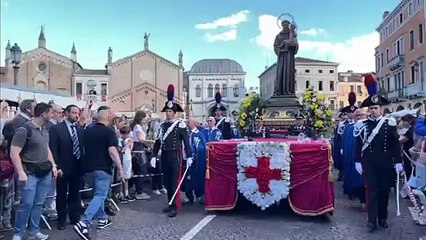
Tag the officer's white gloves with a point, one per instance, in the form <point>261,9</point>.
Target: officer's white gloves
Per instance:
<point>153,161</point>
<point>358,167</point>
<point>188,162</point>
<point>398,167</point>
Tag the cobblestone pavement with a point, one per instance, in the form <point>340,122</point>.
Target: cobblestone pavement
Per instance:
<point>143,220</point>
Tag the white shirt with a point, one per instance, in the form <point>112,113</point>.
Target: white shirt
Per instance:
<point>138,128</point>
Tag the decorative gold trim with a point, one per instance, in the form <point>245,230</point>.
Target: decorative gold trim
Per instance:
<point>318,212</point>
<point>209,148</point>
<point>330,165</point>
<point>225,207</point>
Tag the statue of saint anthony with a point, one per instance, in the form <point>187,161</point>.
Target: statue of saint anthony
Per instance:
<point>285,47</point>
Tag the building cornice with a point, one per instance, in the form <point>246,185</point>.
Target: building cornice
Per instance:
<point>392,14</point>
<point>217,74</point>
<point>141,54</point>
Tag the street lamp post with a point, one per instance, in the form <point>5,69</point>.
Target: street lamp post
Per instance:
<point>190,107</point>
<point>153,105</point>
<point>16,54</point>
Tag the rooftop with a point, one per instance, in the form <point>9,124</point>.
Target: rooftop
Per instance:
<point>350,77</point>
<point>93,72</point>
<point>301,60</point>
<point>33,90</point>
<point>217,66</point>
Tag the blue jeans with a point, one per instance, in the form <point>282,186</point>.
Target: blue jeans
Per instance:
<point>33,195</point>
<point>50,203</point>
<point>101,185</point>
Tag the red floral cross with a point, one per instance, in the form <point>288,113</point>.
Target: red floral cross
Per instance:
<point>263,174</point>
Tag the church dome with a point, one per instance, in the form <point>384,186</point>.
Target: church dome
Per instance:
<point>217,66</point>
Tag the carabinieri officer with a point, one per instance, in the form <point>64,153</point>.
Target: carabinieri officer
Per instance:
<point>377,154</point>
<point>172,133</point>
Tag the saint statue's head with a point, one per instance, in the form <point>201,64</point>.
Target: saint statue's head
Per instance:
<point>285,24</point>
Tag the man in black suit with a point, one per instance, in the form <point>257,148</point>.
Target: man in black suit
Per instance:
<point>49,209</point>
<point>66,144</point>
<point>300,127</point>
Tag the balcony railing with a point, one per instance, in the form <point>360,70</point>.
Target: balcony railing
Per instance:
<point>396,94</point>
<point>396,62</point>
<point>415,89</point>
<point>92,97</point>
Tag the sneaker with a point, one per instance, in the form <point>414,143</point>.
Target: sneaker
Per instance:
<point>82,230</point>
<point>38,236</point>
<point>156,192</point>
<point>104,223</point>
<point>122,199</point>
<point>143,196</point>
<point>163,190</point>
<point>130,198</point>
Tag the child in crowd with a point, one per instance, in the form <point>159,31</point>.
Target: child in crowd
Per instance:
<point>126,149</point>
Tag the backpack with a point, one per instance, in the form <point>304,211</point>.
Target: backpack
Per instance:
<point>9,130</point>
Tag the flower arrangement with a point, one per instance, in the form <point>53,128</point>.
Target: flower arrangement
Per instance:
<point>251,105</point>
<point>317,113</point>
<point>264,172</point>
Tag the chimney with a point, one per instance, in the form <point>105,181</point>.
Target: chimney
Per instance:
<point>385,14</point>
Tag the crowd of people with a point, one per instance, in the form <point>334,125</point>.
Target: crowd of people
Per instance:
<point>370,150</point>
<point>51,155</point>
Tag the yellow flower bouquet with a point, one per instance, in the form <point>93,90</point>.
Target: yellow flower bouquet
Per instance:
<point>251,105</point>
<point>317,113</point>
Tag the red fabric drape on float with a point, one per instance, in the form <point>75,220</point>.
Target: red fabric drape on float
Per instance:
<point>221,176</point>
<point>311,183</point>
<point>311,191</point>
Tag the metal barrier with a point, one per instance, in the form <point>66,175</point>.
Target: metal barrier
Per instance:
<point>111,200</point>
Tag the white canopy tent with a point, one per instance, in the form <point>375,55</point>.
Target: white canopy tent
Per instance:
<point>404,112</point>
<point>17,94</point>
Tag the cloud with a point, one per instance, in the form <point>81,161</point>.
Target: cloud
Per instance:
<point>313,31</point>
<point>225,36</point>
<point>355,53</point>
<point>229,21</point>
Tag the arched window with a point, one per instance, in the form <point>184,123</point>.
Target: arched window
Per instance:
<point>224,90</point>
<point>216,88</point>
<point>210,90</point>
<point>236,91</point>
<point>198,91</point>
<point>340,105</point>
<point>41,85</point>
